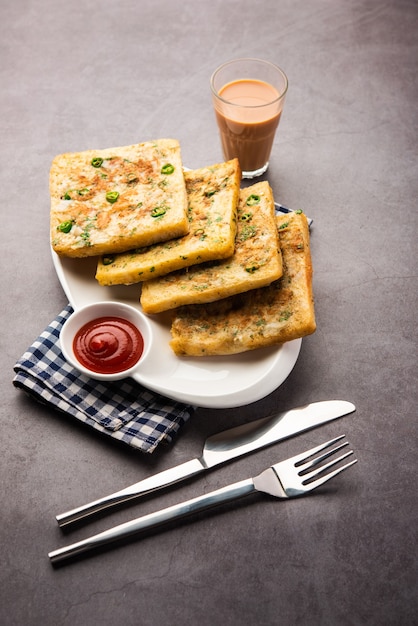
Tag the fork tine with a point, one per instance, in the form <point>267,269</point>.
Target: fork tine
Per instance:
<point>320,481</point>
<point>301,458</point>
<point>308,476</point>
<point>305,467</point>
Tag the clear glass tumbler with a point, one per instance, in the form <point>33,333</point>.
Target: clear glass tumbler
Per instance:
<point>248,97</point>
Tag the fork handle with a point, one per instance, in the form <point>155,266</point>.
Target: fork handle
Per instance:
<point>154,520</point>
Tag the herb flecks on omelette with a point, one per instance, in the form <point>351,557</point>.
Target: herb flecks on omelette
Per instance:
<point>212,221</point>
<point>112,200</point>
<point>255,262</point>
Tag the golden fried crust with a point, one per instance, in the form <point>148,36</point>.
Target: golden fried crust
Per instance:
<point>112,200</point>
<point>212,194</point>
<point>264,317</point>
<point>256,260</point>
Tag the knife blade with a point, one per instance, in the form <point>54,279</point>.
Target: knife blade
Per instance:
<point>219,449</point>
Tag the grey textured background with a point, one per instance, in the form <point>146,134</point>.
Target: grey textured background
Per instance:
<point>81,74</point>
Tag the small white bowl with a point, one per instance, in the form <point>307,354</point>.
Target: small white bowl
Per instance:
<point>90,312</point>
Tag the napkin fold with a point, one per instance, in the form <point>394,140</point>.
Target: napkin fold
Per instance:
<point>124,409</point>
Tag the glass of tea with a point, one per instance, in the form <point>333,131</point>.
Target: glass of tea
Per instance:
<point>248,97</point>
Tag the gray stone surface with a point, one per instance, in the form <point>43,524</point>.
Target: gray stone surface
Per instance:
<point>80,74</point>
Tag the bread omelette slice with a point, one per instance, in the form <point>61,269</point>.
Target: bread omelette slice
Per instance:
<point>111,200</point>
<point>256,260</point>
<point>264,317</point>
<point>212,195</point>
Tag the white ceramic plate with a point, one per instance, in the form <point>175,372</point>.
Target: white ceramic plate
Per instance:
<point>214,382</point>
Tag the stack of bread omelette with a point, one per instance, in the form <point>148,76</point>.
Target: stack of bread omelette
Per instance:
<point>233,275</point>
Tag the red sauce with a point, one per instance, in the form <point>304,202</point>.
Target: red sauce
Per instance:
<point>108,345</point>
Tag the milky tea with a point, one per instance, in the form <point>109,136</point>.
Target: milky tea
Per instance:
<point>248,97</point>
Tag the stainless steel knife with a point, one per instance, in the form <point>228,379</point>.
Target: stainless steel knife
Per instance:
<point>220,449</point>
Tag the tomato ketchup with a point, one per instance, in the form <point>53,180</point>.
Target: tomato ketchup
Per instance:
<point>108,345</point>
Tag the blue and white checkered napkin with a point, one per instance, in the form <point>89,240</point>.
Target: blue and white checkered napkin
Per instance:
<point>123,410</point>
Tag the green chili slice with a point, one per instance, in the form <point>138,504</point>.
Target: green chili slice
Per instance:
<point>79,192</point>
<point>246,217</point>
<point>112,196</point>
<point>253,199</point>
<point>132,178</point>
<point>158,211</point>
<point>167,169</point>
<point>252,268</point>
<point>108,260</point>
<point>97,162</point>
<point>65,227</point>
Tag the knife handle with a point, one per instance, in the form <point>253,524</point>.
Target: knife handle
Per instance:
<point>153,520</point>
<point>152,483</point>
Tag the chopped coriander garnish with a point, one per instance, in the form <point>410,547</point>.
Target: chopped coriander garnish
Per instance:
<point>247,232</point>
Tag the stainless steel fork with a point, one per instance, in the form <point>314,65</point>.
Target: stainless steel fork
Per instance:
<point>291,478</point>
